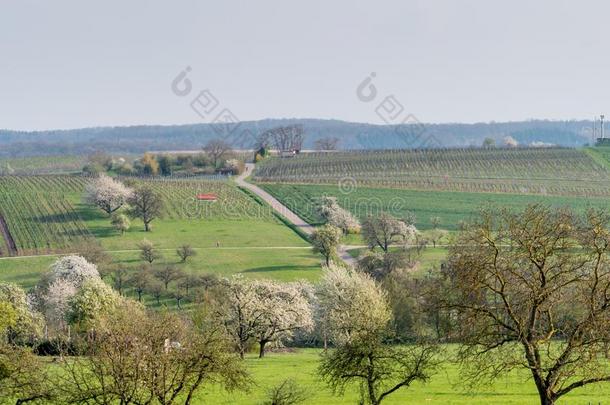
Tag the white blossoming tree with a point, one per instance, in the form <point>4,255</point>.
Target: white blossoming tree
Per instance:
<point>356,314</point>
<point>59,285</point>
<point>332,212</point>
<point>263,311</point>
<point>350,305</point>
<point>107,194</point>
<point>283,309</point>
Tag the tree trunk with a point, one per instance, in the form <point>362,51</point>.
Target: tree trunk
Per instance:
<point>546,397</point>
<point>261,352</point>
<point>146,227</point>
<point>327,261</point>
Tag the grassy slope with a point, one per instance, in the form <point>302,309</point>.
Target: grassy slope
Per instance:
<point>443,388</point>
<point>451,207</point>
<point>243,248</point>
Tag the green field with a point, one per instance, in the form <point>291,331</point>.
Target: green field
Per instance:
<point>451,207</point>
<point>46,214</point>
<point>42,165</point>
<point>236,234</point>
<point>545,171</point>
<point>444,388</point>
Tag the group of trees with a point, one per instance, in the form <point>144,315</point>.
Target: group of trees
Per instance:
<point>110,195</point>
<point>519,290</point>
<point>128,355</point>
<point>216,155</point>
<point>119,343</point>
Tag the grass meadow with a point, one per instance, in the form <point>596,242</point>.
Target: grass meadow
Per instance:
<point>445,387</point>
<point>450,207</point>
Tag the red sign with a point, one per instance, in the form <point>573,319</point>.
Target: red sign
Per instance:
<point>207,197</point>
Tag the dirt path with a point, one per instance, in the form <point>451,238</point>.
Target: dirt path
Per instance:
<point>8,238</point>
<point>285,211</point>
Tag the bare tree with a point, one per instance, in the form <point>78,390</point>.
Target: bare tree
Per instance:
<point>184,252</point>
<point>140,280</point>
<point>385,230</point>
<point>531,290</point>
<point>327,143</point>
<point>217,149</point>
<point>155,288</point>
<point>148,253</point>
<point>140,357</point>
<point>145,204</point>
<point>288,138</point>
<point>168,274</point>
<point>119,276</point>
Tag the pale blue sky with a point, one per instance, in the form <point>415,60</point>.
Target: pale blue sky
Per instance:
<point>67,64</point>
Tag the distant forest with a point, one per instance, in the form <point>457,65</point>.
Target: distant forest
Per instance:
<point>138,139</point>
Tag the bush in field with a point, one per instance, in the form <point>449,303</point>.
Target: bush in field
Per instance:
<point>288,392</point>
<point>184,252</point>
<point>107,194</point>
<point>24,377</point>
<point>148,253</point>
<point>120,222</point>
<point>28,323</point>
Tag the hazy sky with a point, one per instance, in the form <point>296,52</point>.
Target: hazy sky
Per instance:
<point>67,64</point>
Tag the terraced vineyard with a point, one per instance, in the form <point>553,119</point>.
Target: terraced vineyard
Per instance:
<point>547,171</point>
<point>39,215</point>
<point>181,202</point>
<point>45,214</point>
<point>41,165</point>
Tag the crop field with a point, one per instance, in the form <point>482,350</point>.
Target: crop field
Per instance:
<point>180,196</point>
<point>38,213</point>
<point>450,207</point>
<point>544,171</point>
<point>46,214</point>
<point>41,165</point>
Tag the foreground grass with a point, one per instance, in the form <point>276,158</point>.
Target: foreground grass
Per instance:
<point>444,388</point>
<point>285,264</point>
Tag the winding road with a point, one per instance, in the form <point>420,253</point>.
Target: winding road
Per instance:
<point>286,212</point>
